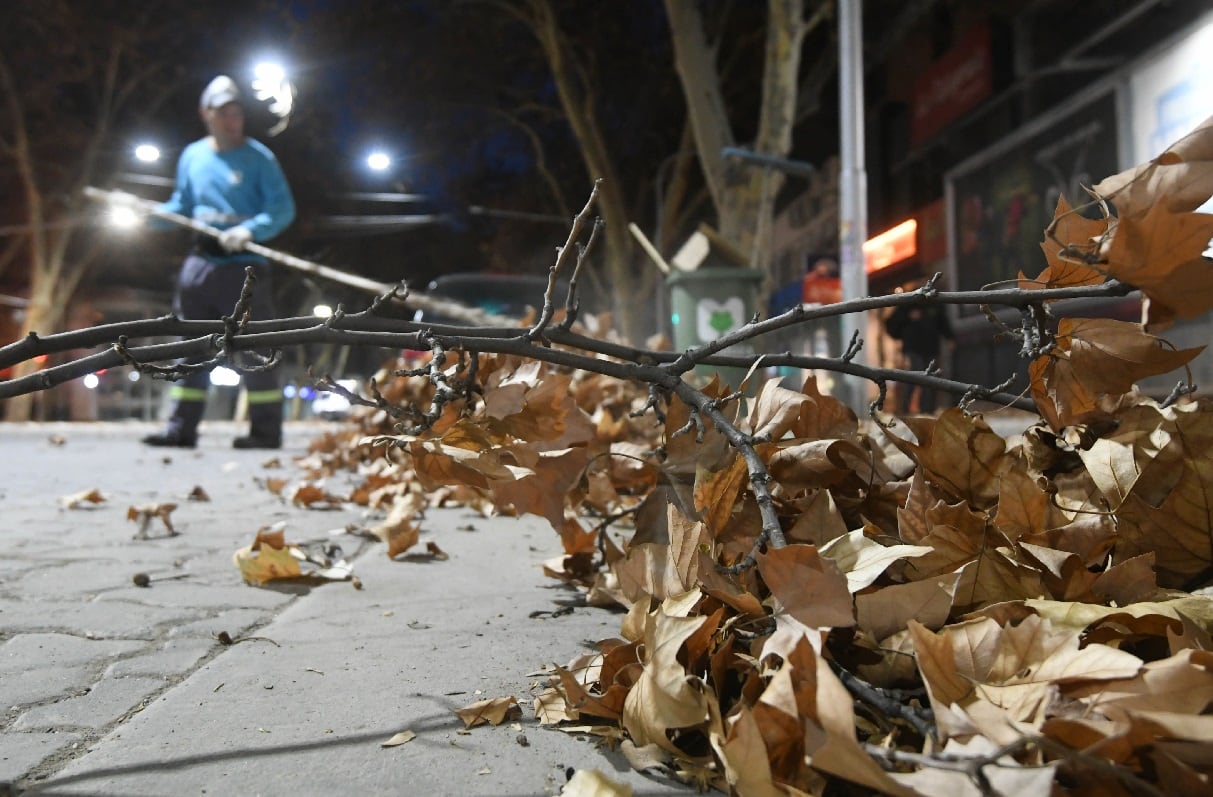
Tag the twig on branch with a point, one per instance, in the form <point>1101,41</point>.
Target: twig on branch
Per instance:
<point>563,257</point>
<point>888,702</point>
<point>572,303</point>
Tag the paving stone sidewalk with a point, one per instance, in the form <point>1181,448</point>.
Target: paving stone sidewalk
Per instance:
<point>109,688</point>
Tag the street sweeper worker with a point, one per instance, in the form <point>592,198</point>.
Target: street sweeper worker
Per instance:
<point>234,183</point>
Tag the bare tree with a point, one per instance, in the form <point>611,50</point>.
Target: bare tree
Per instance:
<point>66,78</point>
<point>744,199</point>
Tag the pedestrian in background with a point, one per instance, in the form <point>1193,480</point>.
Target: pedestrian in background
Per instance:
<point>233,183</point>
<point>922,331</point>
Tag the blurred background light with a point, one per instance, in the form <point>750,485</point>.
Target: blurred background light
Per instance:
<point>224,377</point>
<point>148,153</point>
<point>379,161</point>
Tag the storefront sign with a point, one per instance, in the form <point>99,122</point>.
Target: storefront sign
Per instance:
<point>953,85</point>
<point>1170,94</point>
<point>891,246</point>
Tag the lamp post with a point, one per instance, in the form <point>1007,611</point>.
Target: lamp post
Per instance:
<point>852,184</point>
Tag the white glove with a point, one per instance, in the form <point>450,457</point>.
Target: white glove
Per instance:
<point>233,239</point>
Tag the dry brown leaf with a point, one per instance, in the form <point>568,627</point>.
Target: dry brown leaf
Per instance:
<point>665,697</point>
<point>552,708</point>
<point>1146,618</point>
<point>889,610</point>
<point>801,465</point>
<point>716,494</point>
<point>1170,479</point>
<point>1111,356</point>
<point>313,495</point>
<point>399,739</point>
<point>1161,253</point>
<point>542,488</point>
<point>959,454</point>
<point>743,752</point>
<point>807,586</point>
<point>663,570</point>
<point>268,558</point>
<point>818,519</point>
<point>1180,179</point>
<point>400,530</point>
<point>826,418</point>
<point>146,513</point>
<point>1016,668</point>
<point>1067,270</point>
<point>495,711</point>
<point>83,498</point>
<point>863,560</point>
<point>776,409</point>
<point>1180,684</point>
<point>1095,357</point>
<point>1130,581</point>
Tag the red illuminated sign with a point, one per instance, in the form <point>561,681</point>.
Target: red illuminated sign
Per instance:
<point>953,85</point>
<point>891,246</point>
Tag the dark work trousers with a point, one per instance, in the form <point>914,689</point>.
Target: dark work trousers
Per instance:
<point>207,289</point>
<point>926,398</point>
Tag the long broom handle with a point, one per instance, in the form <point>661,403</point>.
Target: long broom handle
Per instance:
<point>417,301</point>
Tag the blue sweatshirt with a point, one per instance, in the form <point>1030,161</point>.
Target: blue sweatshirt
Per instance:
<point>244,186</point>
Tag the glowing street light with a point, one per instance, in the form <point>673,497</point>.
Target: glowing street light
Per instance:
<point>268,73</point>
<point>147,153</point>
<point>322,311</point>
<point>124,218</point>
<point>379,161</point>
<point>270,82</point>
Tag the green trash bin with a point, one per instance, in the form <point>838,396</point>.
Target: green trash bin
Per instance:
<point>710,302</point>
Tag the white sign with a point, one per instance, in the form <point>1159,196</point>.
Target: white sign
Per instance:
<point>714,319</point>
<point>1171,93</point>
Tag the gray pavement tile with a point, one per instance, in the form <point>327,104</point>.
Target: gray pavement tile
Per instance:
<point>106,702</point>
<point>234,621</point>
<point>204,597</point>
<point>42,682</point>
<point>87,618</point>
<point>346,669</point>
<point>23,651</point>
<point>175,657</point>
<point>21,752</point>
<point>71,579</point>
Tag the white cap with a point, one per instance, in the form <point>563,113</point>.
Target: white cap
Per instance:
<point>219,92</point>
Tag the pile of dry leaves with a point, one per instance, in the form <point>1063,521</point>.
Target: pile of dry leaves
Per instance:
<point>954,612</point>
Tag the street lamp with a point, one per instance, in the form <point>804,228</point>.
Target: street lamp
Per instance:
<point>147,153</point>
<point>378,161</point>
<point>124,218</point>
<point>270,82</point>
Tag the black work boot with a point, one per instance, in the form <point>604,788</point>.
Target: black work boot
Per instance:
<point>259,440</point>
<point>173,438</point>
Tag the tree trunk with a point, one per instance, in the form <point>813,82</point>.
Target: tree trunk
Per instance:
<point>619,252</point>
<point>695,62</point>
<point>744,195</point>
